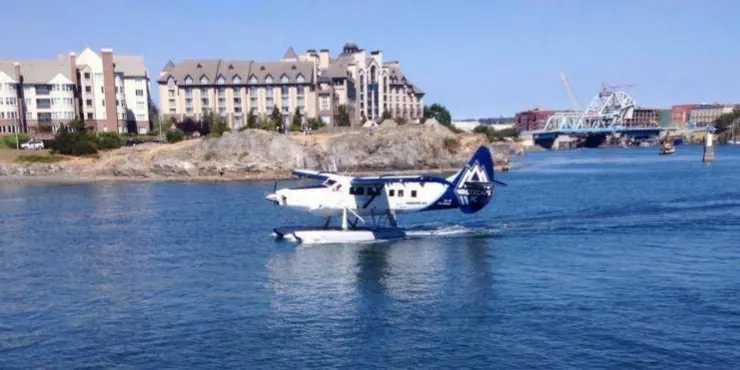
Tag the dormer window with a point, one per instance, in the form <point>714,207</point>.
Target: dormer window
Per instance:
<point>231,66</point>
<point>253,79</point>
<point>284,79</point>
<point>199,66</point>
<point>237,80</point>
<point>188,80</point>
<point>268,79</point>
<point>262,68</point>
<point>204,80</point>
<point>293,67</point>
<point>300,79</point>
<point>221,80</point>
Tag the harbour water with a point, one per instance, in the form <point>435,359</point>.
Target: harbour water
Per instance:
<point>590,259</point>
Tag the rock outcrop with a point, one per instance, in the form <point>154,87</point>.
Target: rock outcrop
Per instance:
<point>256,153</point>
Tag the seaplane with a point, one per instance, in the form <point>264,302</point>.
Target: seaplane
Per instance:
<point>366,207</point>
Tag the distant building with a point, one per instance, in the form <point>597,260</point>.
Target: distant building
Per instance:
<point>314,83</point>
<point>643,117</point>
<point>534,119</point>
<point>706,114</point>
<point>109,92</point>
<point>680,114</point>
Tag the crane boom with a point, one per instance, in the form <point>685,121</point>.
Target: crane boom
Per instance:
<point>574,103</point>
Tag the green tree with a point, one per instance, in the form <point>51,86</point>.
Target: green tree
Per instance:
<point>343,116</point>
<point>276,119</point>
<point>217,126</point>
<point>297,122</point>
<point>438,112</point>
<point>154,117</point>
<point>724,121</point>
<point>251,119</point>
<point>386,115</point>
<point>315,123</point>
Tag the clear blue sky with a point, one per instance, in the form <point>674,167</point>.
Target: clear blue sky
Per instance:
<point>479,58</point>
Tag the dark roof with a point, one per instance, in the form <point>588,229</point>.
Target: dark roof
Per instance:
<point>290,54</point>
<point>213,68</point>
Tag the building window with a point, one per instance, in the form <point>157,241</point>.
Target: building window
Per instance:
<point>221,92</point>
<point>204,80</point>
<point>284,79</point>
<point>88,103</point>
<point>268,79</point>
<point>203,92</point>
<point>237,101</point>
<point>172,102</point>
<point>188,102</point>
<point>189,109</point>
<point>253,80</point>
<point>221,110</point>
<point>237,121</point>
<point>87,75</point>
<point>88,89</point>
<point>237,109</point>
<point>42,89</point>
<point>204,101</point>
<point>300,79</point>
<point>188,92</point>
<point>139,92</point>
<point>237,80</point>
<point>171,93</point>
<point>324,103</point>
<point>221,80</point>
<point>188,80</point>
<point>89,116</point>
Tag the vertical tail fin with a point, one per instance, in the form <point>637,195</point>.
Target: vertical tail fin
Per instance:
<point>473,185</point>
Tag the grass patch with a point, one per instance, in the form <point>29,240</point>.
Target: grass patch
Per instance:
<point>39,158</point>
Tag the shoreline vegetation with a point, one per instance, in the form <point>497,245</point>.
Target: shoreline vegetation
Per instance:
<point>258,155</point>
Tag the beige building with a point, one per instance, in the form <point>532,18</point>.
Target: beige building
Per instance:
<point>109,92</point>
<point>314,83</point>
<point>706,114</point>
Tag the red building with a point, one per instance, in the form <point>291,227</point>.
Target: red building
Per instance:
<point>533,119</point>
<point>680,113</point>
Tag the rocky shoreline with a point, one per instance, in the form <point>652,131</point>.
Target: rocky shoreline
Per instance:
<point>261,155</point>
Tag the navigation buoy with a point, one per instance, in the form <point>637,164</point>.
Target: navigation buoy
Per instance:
<point>708,147</point>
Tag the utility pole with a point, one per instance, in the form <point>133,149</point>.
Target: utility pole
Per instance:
<point>15,128</point>
<point>160,127</point>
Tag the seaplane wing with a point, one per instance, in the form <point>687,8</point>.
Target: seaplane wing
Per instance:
<point>387,179</point>
<point>346,197</point>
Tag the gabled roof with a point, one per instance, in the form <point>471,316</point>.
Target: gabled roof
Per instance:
<point>290,54</point>
<point>130,65</point>
<point>212,68</point>
<point>38,71</point>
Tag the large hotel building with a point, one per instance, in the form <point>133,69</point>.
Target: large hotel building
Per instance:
<point>110,93</point>
<point>314,82</point>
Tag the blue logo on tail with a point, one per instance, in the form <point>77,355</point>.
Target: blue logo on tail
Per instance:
<point>474,185</point>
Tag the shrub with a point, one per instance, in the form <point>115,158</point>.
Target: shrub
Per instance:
<point>315,123</point>
<point>218,128</point>
<point>38,158</point>
<point>9,141</point>
<point>174,136</point>
<point>210,155</point>
<point>83,147</point>
<point>109,140</point>
<point>451,144</point>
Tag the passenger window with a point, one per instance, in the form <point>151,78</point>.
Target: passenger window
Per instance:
<point>413,193</point>
<point>360,191</point>
<point>392,193</point>
<point>352,190</point>
<point>400,193</point>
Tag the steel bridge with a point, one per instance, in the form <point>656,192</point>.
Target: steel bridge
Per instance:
<point>605,114</point>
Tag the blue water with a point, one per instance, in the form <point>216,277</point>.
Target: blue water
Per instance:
<point>590,259</point>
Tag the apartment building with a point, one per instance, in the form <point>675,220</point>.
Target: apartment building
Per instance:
<point>109,92</point>
<point>706,114</point>
<point>643,117</point>
<point>314,83</point>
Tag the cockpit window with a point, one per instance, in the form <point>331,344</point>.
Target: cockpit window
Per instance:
<point>329,183</point>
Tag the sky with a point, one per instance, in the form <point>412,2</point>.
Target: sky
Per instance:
<point>478,58</point>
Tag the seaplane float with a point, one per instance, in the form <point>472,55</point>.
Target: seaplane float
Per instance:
<point>366,207</point>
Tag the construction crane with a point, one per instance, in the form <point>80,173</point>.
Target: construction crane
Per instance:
<point>575,104</point>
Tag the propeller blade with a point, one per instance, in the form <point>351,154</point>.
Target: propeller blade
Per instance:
<point>500,183</point>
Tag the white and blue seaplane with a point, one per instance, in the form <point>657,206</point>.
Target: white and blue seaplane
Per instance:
<point>366,207</point>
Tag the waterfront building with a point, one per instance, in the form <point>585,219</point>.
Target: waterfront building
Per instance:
<point>643,117</point>
<point>109,92</point>
<point>533,119</point>
<point>705,114</point>
<point>313,83</point>
<point>680,114</point>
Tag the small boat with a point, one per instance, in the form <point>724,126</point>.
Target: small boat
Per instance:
<point>667,148</point>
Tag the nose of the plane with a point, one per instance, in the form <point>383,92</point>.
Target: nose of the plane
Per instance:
<point>272,197</point>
